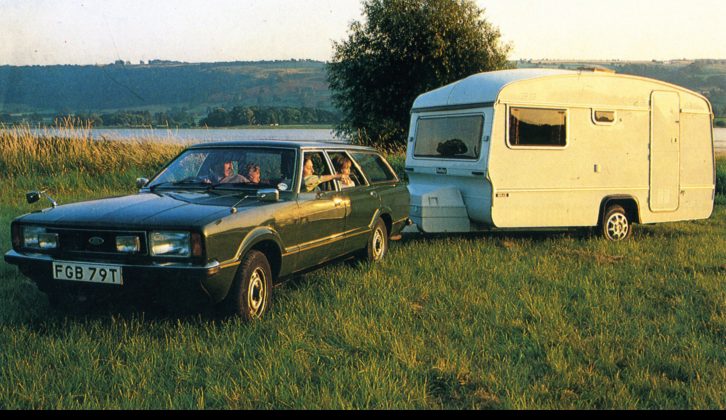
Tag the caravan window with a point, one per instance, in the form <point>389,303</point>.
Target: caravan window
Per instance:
<point>449,137</point>
<point>537,127</point>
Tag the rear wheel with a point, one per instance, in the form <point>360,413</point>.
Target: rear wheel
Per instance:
<point>251,292</point>
<point>615,225</point>
<point>377,246</point>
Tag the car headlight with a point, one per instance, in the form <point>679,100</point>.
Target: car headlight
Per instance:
<point>36,237</point>
<point>170,244</point>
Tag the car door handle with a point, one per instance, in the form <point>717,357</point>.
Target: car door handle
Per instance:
<point>338,203</point>
<point>374,194</point>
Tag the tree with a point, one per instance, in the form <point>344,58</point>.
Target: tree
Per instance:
<point>403,49</point>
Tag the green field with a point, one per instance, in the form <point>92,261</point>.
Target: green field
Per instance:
<point>523,321</point>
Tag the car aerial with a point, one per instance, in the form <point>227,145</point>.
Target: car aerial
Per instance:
<point>222,222</point>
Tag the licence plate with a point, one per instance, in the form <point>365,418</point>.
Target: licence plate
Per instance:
<point>90,273</point>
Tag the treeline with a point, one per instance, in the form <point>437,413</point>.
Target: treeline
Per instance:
<point>253,115</point>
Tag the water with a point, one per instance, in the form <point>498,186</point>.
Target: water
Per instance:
<point>192,136</point>
<point>719,139</point>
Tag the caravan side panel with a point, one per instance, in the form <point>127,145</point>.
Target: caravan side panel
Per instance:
<point>565,185</point>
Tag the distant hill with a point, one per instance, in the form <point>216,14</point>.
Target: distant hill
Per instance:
<point>160,85</point>
<point>199,88</point>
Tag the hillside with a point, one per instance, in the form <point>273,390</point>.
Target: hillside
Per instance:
<point>161,85</point>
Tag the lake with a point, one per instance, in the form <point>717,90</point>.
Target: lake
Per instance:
<point>719,137</point>
<point>202,135</point>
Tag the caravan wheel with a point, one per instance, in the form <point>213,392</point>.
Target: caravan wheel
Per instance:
<point>615,225</point>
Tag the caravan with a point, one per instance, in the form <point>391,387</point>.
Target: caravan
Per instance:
<point>537,148</point>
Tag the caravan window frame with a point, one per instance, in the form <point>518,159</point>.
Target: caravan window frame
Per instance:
<point>483,137</point>
<point>508,117</point>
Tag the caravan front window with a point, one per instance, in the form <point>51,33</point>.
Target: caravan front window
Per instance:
<point>449,137</point>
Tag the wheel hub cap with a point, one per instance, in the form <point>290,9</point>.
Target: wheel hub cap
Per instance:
<point>617,227</point>
<point>378,244</point>
<point>256,292</point>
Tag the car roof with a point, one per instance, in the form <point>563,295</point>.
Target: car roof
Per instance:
<point>316,145</point>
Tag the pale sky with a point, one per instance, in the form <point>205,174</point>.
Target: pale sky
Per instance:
<point>102,31</point>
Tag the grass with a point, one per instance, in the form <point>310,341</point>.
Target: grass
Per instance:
<point>499,321</point>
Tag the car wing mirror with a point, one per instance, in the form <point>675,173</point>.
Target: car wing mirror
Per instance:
<point>268,195</point>
<point>141,182</point>
<point>34,196</point>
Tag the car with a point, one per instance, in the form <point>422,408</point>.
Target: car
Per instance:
<point>222,222</point>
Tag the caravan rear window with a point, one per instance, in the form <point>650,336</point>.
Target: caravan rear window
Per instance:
<point>537,127</point>
<point>449,137</point>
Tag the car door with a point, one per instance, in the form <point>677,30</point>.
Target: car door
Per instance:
<point>321,217</point>
<point>362,199</point>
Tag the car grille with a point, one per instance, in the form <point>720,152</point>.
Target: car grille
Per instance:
<point>99,242</point>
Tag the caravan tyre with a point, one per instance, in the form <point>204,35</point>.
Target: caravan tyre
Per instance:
<point>615,225</point>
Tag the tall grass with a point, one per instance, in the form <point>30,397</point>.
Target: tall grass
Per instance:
<point>72,149</point>
<point>520,321</point>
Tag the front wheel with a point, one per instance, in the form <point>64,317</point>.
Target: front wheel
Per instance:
<point>377,246</point>
<point>251,292</point>
<point>615,225</point>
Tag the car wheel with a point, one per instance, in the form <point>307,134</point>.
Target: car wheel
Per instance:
<point>377,245</point>
<point>615,225</point>
<point>251,292</point>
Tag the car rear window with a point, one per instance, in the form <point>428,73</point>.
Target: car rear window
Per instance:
<point>374,167</point>
<point>449,137</point>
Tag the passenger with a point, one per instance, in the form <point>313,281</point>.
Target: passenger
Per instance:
<point>230,177</point>
<point>253,173</point>
<point>311,181</point>
<point>342,166</point>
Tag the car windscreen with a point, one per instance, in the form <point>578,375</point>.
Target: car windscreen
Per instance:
<point>234,167</point>
<point>449,137</point>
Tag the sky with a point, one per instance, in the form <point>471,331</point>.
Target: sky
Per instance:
<point>42,32</point>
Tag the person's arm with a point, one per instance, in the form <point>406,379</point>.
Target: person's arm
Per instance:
<point>313,181</point>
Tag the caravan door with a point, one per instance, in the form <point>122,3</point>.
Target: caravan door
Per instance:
<point>665,152</point>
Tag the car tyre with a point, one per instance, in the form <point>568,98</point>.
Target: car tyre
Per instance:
<point>377,245</point>
<point>251,292</point>
<point>615,225</point>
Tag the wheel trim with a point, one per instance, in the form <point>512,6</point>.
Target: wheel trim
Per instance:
<point>256,292</point>
<point>379,244</point>
<point>617,227</point>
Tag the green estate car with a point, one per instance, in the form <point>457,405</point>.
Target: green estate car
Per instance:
<point>222,221</point>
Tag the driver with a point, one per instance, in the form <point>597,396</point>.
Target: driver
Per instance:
<point>230,176</point>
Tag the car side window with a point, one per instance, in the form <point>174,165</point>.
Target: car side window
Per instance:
<point>374,167</point>
<point>344,164</point>
<point>316,173</point>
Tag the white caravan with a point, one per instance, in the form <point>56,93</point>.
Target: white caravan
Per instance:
<point>537,148</point>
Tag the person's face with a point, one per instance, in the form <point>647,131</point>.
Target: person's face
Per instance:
<point>254,175</point>
<point>308,168</point>
<point>228,168</point>
<point>345,169</point>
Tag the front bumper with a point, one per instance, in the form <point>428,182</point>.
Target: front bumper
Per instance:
<point>211,281</point>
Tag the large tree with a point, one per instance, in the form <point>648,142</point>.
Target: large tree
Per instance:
<point>405,48</point>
